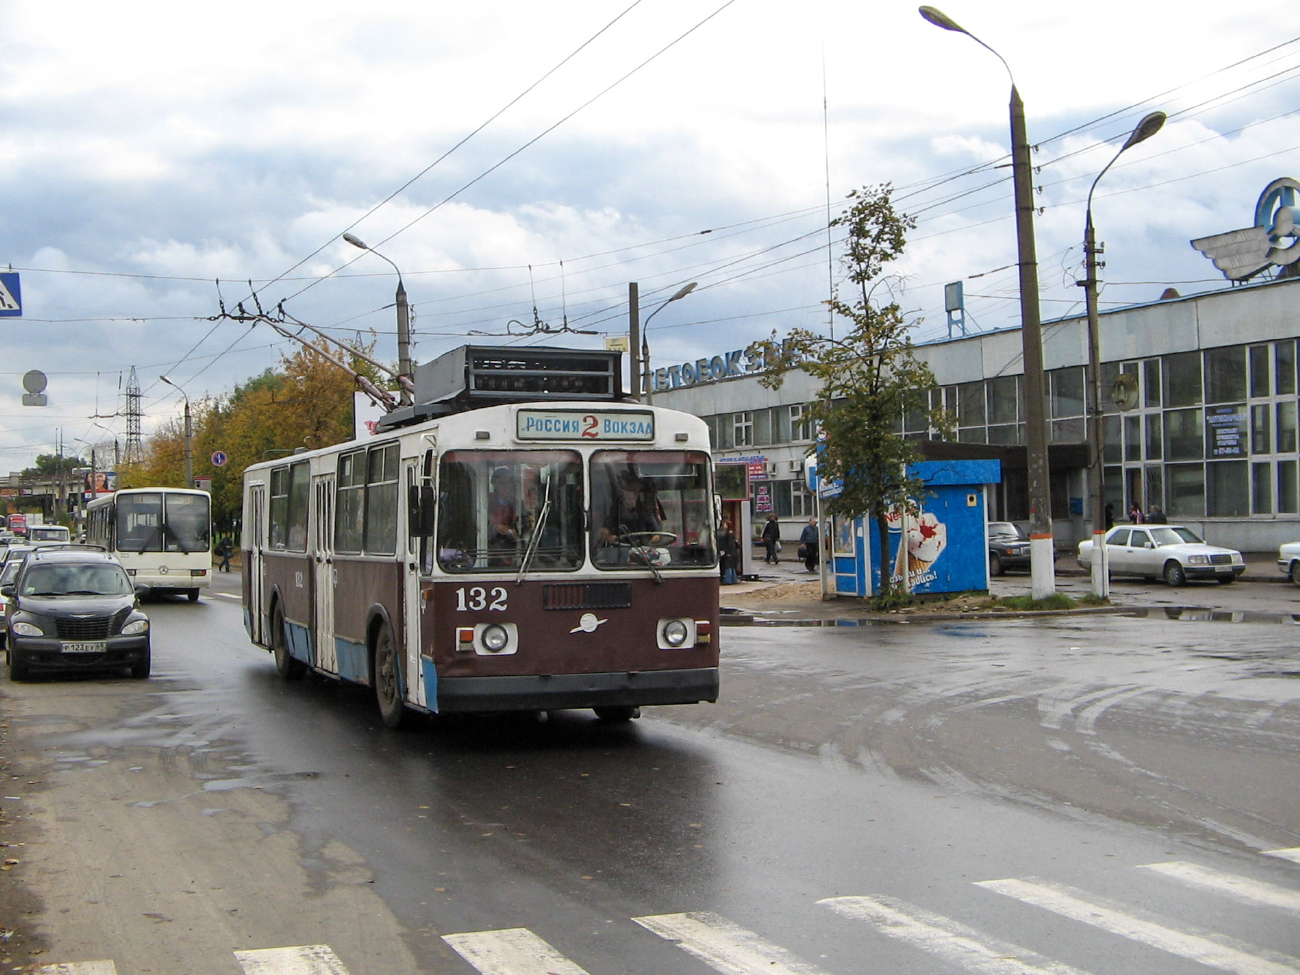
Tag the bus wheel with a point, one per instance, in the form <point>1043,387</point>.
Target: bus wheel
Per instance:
<point>288,667</point>
<point>388,680</point>
<point>194,595</point>
<point>618,715</point>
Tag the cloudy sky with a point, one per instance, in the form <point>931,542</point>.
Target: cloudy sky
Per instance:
<point>511,157</point>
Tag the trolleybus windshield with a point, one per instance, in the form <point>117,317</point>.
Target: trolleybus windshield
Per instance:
<point>650,508</point>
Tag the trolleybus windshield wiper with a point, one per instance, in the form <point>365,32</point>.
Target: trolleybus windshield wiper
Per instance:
<point>537,534</point>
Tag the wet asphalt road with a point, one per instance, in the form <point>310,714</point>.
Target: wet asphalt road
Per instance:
<point>216,809</point>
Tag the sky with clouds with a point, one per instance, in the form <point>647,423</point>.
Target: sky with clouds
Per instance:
<point>511,157</point>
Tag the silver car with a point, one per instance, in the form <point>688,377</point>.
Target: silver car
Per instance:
<point>1170,552</point>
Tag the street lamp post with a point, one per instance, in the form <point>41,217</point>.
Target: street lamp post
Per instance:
<point>189,435</point>
<point>403,320</point>
<point>1041,543</point>
<point>682,292</point>
<point>1145,129</point>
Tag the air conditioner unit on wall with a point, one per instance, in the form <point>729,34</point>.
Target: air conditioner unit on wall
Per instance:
<point>770,467</point>
<point>796,467</point>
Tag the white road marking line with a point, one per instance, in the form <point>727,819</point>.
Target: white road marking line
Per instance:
<point>511,951</point>
<point>294,960</point>
<point>77,968</point>
<point>724,946</point>
<point>950,940</point>
<point>1214,950</point>
<point>1292,854</point>
<point>1241,888</point>
<point>227,595</point>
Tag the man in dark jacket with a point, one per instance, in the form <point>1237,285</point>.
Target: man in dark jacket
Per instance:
<point>771,536</point>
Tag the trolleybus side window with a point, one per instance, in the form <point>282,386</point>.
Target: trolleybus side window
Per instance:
<point>651,508</point>
<point>365,510</point>
<point>288,515</point>
<point>501,510</point>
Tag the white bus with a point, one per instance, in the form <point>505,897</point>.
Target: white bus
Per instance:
<point>162,536</point>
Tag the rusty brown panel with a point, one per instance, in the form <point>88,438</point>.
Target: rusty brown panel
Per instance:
<point>290,572</point>
<point>551,642</point>
<point>363,583</point>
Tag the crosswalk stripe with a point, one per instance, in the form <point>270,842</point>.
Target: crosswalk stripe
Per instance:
<point>294,960</point>
<point>76,968</point>
<point>950,940</point>
<point>511,951</point>
<point>1216,951</point>
<point>1293,854</point>
<point>725,947</point>
<point>1241,888</point>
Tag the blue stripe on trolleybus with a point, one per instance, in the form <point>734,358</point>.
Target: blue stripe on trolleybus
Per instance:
<point>299,639</point>
<point>351,659</point>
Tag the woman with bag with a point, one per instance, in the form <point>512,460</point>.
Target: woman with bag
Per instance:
<point>772,539</point>
<point>728,555</point>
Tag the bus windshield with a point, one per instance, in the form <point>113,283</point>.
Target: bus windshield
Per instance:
<point>144,526</point>
<point>651,508</point>
<point>508,509</point>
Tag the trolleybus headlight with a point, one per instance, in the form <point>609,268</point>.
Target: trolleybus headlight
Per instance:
<point>676,633</point>
<point>495,638</point>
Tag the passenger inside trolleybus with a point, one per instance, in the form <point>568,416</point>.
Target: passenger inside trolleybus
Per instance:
<point>650,508</point>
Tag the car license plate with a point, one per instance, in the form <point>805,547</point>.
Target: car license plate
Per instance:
<point>90,647</point>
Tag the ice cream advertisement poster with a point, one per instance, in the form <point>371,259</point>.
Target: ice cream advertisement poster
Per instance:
<point>937,547</point>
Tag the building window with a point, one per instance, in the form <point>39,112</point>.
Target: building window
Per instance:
<point>1284,357</point>
<point>1154,439</point>
<point>1132,437</point>
<point>1184,435</point>
<point>970,405</point>
<point>1066,397</point>
<point>801,425</point>
<point>1186,490</point>
<point>1182,375</point>
<point>1225,375</point>
<point>742,429</point>
<point>1151,382</point>
<point>802,503</point>
<point>1259,371</point>
<point>1286,487</point>
<point>1227,489</point>
<point>1286,440</point>
<point>763,427</point>
<point>1261,493</point>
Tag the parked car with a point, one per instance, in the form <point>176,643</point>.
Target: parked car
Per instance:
<point>1170,552</point>
<point>8,573</point>
<point>1288,560</point>
<point>74,609</point>
<point>1008,548</point>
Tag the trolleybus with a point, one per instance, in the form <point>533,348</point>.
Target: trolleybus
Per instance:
<point>162,536</point>
<point>513,557</point>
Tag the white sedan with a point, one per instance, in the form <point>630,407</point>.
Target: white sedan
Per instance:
<point>1170,552</point>
<point>1288,560</point>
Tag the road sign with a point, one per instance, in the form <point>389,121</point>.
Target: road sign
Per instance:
<point>219,458</point>
<point>11,296</point>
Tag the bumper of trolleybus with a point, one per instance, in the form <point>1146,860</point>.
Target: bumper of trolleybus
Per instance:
<point>558,692</point>
<point>180,580</point>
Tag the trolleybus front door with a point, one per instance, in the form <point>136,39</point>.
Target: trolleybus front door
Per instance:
<point>255,534</point>
<point>323,567</point>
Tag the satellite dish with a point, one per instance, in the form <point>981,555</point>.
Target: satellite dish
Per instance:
<point>1124,391</point>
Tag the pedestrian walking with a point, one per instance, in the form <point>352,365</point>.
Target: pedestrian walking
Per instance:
<point>728,555</point>
<point>810,544</point>
<point>225,548</point>
<point>772,539</point>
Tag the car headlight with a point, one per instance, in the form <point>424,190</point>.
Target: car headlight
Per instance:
<point>1198,560</point>
<point>495,638</point>
<point>135,628</point>
<point>27,629</point>
<point>1237,559</point>
<point>675,633</point>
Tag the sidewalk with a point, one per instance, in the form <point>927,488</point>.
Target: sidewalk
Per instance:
<point>787,592</point>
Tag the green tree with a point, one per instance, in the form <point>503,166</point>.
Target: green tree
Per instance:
<point>870,376</point>
<point>53,463</point>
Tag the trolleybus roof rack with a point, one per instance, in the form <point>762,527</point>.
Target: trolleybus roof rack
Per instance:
<point>475,376</point>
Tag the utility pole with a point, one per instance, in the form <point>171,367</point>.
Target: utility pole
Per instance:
<point>634,340</point>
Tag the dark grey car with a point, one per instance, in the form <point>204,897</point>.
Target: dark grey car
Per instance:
<point>74,610</point>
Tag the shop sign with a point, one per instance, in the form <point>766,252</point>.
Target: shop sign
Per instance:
<point>1226,430</point>
<point>762,499</point>
<point>729,365</point>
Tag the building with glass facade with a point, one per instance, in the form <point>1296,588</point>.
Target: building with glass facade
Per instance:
<point>1212,438</point>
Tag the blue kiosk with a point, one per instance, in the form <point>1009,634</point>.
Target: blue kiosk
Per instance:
<point>941,548</point>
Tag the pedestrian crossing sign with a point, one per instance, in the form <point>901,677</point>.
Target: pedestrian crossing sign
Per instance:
<point>11,296</point>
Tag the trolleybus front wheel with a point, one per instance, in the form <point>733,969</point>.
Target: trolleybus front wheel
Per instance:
<point>388,683</point>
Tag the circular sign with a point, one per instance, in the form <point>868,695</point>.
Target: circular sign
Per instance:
<point>34,381</point>
<point>219,458</point>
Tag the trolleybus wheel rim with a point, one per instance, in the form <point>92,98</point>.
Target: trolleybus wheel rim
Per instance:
<point>388,684</point>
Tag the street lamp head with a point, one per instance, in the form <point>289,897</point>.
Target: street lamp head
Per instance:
<point>940,19</point>
<point>1148,127</point>
<point>356,241</point>
<point>684,291</point>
